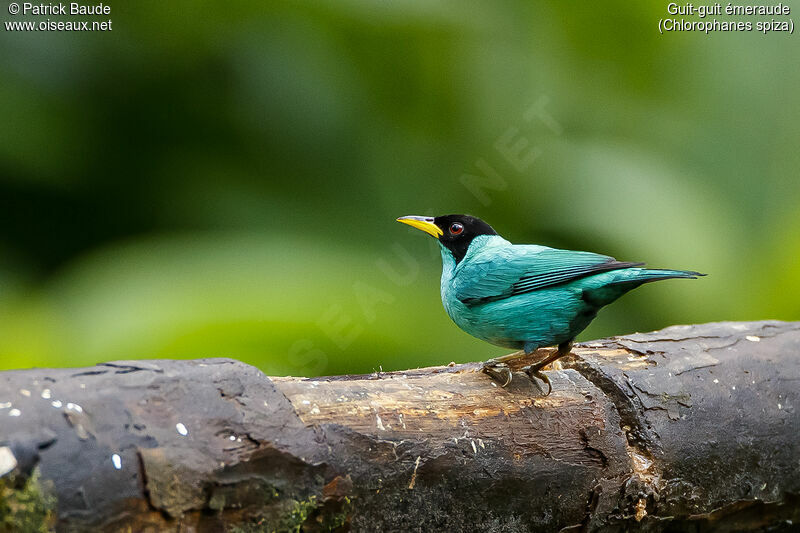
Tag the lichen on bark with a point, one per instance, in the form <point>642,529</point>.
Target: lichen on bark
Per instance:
<point>26,505</point>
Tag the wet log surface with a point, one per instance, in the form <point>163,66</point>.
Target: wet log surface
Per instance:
<point>691,428</point>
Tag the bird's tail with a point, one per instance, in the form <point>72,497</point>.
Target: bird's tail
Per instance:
<point>645,275</point>
<point>618,282</point>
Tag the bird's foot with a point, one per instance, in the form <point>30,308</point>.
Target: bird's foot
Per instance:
<point>498,371</point>
<point>535,371</point>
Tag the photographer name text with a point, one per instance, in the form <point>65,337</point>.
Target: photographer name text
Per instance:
<point>59,9</point>
<point>73,8</point>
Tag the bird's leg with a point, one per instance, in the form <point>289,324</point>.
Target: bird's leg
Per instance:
<point>498,369</point>
<point>535,371</point>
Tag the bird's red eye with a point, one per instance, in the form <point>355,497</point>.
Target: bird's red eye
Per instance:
<point>456,228</point>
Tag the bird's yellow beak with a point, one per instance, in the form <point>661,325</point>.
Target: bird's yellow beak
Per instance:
<point>424,223</point>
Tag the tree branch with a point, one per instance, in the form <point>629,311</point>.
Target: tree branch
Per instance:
<point>691,427</point>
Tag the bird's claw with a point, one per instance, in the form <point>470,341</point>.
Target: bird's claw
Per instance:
<point>498,372</point>
<point>534,371</point>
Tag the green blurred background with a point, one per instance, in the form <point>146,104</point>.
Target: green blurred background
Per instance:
<point>216,179</point>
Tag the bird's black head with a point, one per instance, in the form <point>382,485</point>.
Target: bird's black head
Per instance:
<point>455,232</point>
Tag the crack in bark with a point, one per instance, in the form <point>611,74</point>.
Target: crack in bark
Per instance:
<point>143,477</point>
<point>89,373</point>
<point>636,433</point>
<point>639,443</point>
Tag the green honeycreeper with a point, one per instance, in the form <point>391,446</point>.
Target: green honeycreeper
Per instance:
<point>525,296</point>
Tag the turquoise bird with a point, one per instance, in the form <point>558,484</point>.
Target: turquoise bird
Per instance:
<point>525,296</point>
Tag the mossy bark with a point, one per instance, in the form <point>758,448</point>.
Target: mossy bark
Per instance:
<point>26,505</point>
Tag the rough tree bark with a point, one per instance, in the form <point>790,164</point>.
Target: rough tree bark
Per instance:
<point>692,428</point>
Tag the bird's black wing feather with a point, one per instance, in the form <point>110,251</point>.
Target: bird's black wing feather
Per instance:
<point>539,281</point>
<point>500,273</point>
